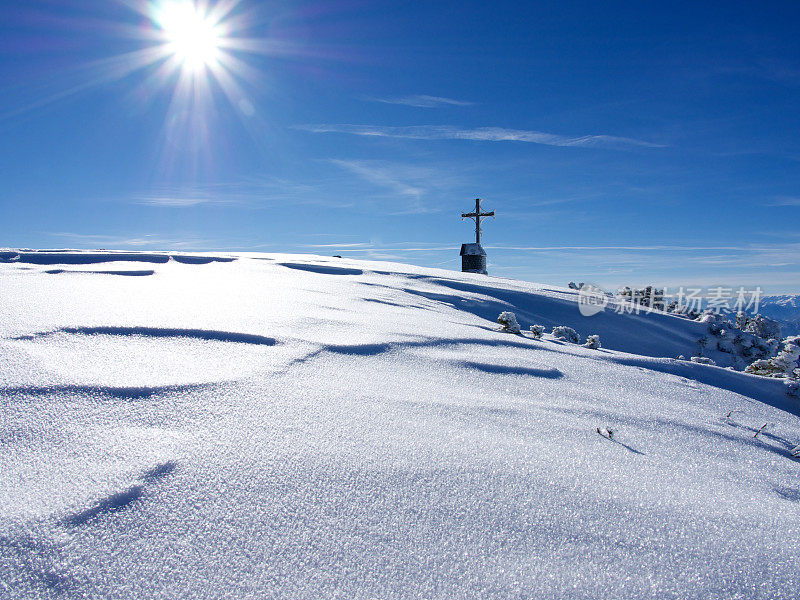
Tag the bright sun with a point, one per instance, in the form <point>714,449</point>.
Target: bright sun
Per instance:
<point>191,34</point>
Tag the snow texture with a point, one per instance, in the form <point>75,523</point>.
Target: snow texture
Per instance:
<point>291,426</point>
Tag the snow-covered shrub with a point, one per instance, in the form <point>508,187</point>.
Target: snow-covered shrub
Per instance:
<point>708,316</point>
<point>508,320</point>
<point>741,320</point>
<point>763,327</point>
<point>717,323</point>
<point>764,368</point>
<point>726,342</point>
<point>745,347</point>
<point>592,342</point>
<point>785,364</point>
<point>649,296</point>
<point>742,340</point>
<point>703,360</point>
<point>568,334</point>
<point>681,310</point>
<point>793,389</point>
<point>537,331</point>
<point>789,358</point>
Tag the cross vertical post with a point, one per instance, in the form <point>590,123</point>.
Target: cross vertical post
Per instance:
<point>477,215</point>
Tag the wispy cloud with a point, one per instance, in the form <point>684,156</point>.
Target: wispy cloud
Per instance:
<point>421,101</point>
<point>253,193</point>
<point>410,182</point>
<point>147,240</point>
<point>358,245</point>
<point>398,248</point>
<point>631,248</point>
<point>381,175</point>
<point>177,201</point>
<point>785,201</point>
<point>482,134</point>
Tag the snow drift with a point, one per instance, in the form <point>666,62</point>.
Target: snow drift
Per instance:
<point>290,426</point>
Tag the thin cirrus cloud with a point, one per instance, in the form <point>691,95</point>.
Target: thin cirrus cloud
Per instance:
<point>409,182</point>
<point>140,241</point>
<point>785,201</point>
<point>252,193</point>
<point>382,176</point>
<point>175,201</point>
<point>422,101</point>
<point>343,245</point>
<point>483,134</point>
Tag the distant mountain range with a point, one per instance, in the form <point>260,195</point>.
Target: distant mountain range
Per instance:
<point>785,309</point>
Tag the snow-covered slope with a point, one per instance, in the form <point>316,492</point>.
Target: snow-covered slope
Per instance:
<point>285,426</point>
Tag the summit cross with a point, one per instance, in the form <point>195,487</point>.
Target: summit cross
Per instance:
<point>477,215</point>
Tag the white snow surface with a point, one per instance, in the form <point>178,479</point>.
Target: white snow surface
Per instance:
<point>295,426</point>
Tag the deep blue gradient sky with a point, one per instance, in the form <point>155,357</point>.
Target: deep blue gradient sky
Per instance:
<point>619,142</point>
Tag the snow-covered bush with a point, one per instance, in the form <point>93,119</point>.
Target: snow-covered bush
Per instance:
<point>726,342</point>
<point>593,342</point>
<point>764,327</point>
<point>703,360</point>
<point>789,358</point>
<point>741,320</point>
<point>681,310</point>
<point>508,320</point>
<point>708,316</point>
<point>793,389</point>
<point>745,347</point>
<point>785,364</point>
<point>649,296</point>
<point>537,331</point>
<point>568,334</point>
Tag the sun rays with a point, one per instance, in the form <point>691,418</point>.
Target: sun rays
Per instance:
<point>195,53</point>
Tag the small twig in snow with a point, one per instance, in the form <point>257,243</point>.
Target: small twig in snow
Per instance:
<point>763,427</point>
<point>606,432</point>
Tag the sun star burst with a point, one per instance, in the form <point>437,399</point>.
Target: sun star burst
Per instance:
<point>191,34</point>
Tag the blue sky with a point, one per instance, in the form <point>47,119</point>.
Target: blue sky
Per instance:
<point>619,142</point>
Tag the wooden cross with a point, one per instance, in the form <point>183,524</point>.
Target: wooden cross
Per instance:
<point>477,215</point>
